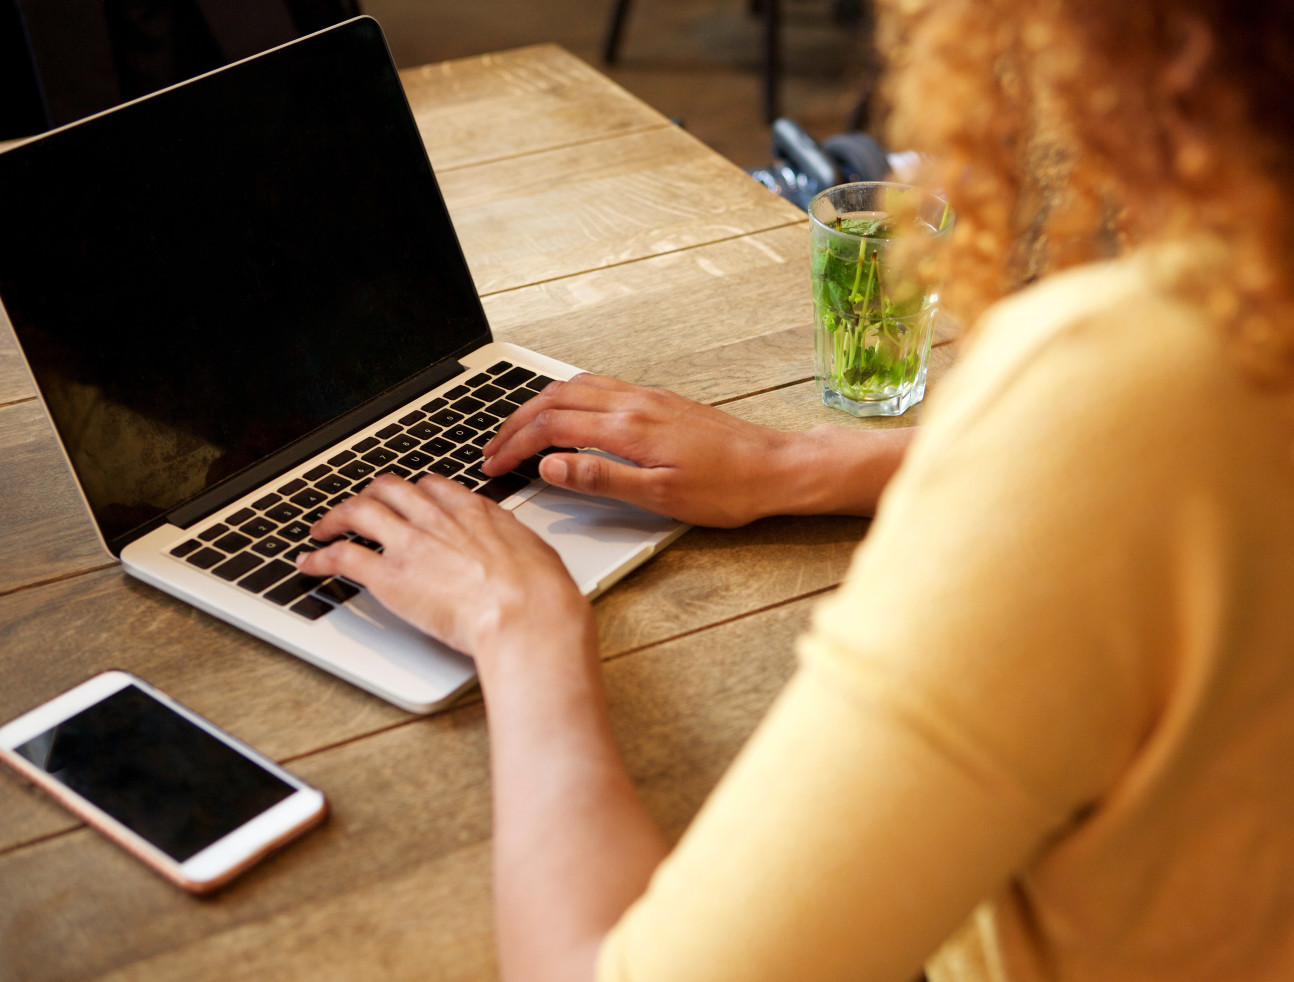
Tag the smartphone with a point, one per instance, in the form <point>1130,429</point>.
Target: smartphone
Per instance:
<point>176,791</point>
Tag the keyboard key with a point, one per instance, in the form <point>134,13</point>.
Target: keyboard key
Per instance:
<point>380,456</point>
<point>311,607</point>
<point>468,454</point>
<point>499,367</point>
<point>293,486</point>
<point>460,433</point>
<point>538,382</point>
<point>446,417</point>
<point>296,585</point>
<point>388,431</point>
<point>308,498</point>
<point>342,458</point>
<point>481,439</point>
<point>529,467</point>
<point>437,446</point>
<point>271,546</point>
<point>205,558</point>
<point>415,460</point>
<point>483,421</point>
<point>502,408</point>
<point>237,566</point>
<point>357,469</point>
<point>423,431</point>
<point>476,380</point>
<point>271,499</point>
<point>186,547</point>
<point>488,393</point>
<point>412,418</point>
<point>435,404</point>
<point>504,486</point>
<point>314,473</point>
<point>467,405</point>
<point>446,467</point>
<point>334,502</point>
<point>368,443</point>
<point>337,590</point>
<point>514,378</point>
<point>470,483</point>
<point>332,484</point>
<point>266,576</point>
<point>402,443</point>
<point>295,531</point>
<point>240,516</point>
<point>257,527</point>
<point>457,392</point>
<point>215,532</point>
<point>283,513</point>
<point>233,542</point>
<point>395,469</point>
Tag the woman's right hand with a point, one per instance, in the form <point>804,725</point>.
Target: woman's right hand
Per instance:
<point>687,460</point>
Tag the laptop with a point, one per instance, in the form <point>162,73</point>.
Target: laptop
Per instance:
<point>241,298</point>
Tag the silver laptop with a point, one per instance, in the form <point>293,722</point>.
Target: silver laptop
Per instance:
<point>241,298</point>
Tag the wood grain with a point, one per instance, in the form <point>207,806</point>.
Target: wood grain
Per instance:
<point>14,382</point>
<point>595,205</point>
<point>44,527</point>
<point>513,103</point>
<point>396,884</point>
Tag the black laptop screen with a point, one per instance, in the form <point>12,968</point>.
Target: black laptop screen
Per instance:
<point>201,277</point>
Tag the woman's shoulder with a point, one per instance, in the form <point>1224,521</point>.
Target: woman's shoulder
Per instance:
<point>1108,341</point>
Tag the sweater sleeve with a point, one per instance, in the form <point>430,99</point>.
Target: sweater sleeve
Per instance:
<point>985,672</point>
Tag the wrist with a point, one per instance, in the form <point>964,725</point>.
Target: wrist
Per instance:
<point>833,470</point>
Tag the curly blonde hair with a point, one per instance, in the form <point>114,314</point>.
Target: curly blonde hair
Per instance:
<point>1064,130</point>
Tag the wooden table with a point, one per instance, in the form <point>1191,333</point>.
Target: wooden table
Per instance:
<point>646,256</point>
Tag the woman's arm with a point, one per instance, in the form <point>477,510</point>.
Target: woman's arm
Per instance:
<point>691,461</point>
<point>573,845</point>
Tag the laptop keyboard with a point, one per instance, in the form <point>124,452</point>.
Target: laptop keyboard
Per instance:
<point>254,546</point>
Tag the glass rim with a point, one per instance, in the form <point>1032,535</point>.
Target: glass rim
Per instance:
<point>924,192</point>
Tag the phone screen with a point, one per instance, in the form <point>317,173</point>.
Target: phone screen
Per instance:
<point>163,777</point>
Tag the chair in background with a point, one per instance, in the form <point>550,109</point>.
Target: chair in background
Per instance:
<point>770,11</point>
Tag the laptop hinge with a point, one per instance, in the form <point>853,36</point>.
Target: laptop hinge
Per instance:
<point>234,487</point>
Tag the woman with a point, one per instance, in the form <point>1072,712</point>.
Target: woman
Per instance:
<point>1075,770</point>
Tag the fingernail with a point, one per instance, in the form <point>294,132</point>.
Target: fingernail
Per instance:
<point>556,470</point>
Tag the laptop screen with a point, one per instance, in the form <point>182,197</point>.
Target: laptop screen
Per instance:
<point>203,276</point>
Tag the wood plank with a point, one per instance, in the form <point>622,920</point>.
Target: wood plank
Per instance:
<point>799,407</point>
<point>512,103</point>
<point>396,883</point>
<point>14,381</point>
<point>44,526</point>
<point>715,323</point>
<point>595,205</point>
<point>54,636</point>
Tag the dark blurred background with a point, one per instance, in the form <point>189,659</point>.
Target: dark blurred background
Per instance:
<point>706,63</point>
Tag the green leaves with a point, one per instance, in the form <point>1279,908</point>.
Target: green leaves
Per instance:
<point>871,311</point>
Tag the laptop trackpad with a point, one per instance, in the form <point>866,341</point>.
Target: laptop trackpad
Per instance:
<point>598,539</point>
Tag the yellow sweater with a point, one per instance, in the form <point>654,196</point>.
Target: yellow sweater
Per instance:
<point>1045,729</point>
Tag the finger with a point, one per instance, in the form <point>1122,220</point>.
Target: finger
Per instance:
<point>586,392</point>
<point>595,474</point>
<point>378,512</point>
<point>344,558</point>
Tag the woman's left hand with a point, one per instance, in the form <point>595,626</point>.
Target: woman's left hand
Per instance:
<point>454,565</point>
